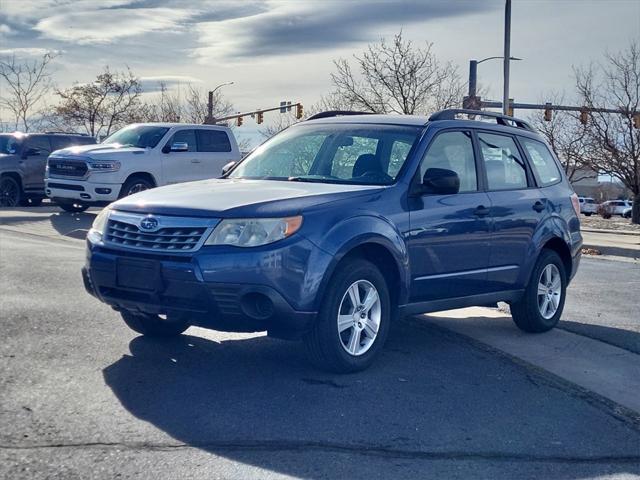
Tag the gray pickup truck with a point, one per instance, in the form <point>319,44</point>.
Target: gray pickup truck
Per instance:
<point>23,159</point>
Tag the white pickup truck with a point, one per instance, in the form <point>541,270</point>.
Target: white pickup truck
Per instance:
<point>136,158</point>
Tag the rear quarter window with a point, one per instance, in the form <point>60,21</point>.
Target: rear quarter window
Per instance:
<point>542,162</point>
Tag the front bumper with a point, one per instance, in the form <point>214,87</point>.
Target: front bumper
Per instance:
<point>239,291</point>
<point>83,190</point>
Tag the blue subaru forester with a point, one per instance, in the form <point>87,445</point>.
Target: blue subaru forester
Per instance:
<point>341,224</point>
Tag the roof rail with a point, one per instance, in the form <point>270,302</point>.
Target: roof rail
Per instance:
<point>450,114</point>
<point>53,132</point>
<point>336,113</point>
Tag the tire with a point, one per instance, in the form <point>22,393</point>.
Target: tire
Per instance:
<point>153,325</point>
<point>588,214</point>
<point>73,207</point>
<point>135,185</point>
<point>10,192</point>
<point>326,346</point>
<point>527,312</point>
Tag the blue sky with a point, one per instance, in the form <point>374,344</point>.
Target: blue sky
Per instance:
<point>276,50</point>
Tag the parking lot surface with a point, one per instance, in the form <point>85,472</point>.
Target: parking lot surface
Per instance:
<point>82,396</point>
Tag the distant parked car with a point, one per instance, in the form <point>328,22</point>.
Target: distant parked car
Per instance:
<point>615,207</point>
<point>23,158</point>
<point>136,158</point>
<point>588,206</point>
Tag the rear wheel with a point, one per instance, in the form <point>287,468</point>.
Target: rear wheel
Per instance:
<point>154,325</point>
<point>353,321</point>
<point>10,192</point>
<point>588,214</point>
<point>73,207</point>
<point>541,306</point>
<point>135,185</point>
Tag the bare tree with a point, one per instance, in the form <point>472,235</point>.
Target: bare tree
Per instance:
<point>397,77</point>
<point>615,141</point>
<point>568,138</point>
<point>26,83</point>
<point>99,107</point>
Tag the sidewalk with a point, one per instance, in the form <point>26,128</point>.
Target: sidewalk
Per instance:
<point>608,243</point>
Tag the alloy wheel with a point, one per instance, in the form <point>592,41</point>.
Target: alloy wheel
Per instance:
<point>136,188</point>
<point>359,317</point>
<point>9,193</point>
<point>549,291</point>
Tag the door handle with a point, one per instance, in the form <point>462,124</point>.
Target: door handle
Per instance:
<point>194,160</point>
<point>481,211</point>
<point>539,206</point>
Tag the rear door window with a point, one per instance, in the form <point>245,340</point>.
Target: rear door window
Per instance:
<point>39,143</point>
<point>503,163</point>
<point>213,141</point>
<point>544,166</point>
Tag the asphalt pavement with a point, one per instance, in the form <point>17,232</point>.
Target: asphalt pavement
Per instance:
<point>81,396</point>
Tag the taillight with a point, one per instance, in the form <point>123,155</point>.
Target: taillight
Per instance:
<point>576,203</point>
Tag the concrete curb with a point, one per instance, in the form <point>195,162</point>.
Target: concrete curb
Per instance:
<point>613,232</point>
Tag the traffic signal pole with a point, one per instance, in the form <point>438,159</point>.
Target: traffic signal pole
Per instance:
<point>298,107</point>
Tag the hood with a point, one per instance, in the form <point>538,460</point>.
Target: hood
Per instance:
<point>98,151</point>
<point>238,198</point>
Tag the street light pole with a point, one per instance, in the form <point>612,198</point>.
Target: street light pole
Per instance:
<point>507,55</point>
<point>473,79</point>
<point>210,102</point>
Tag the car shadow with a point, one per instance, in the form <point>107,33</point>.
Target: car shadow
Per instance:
<point>73,225</point>
<point>618,337</point>
<point>429,397</point>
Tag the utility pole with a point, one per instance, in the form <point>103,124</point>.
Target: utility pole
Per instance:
<point>209,120</point>
<point>507,55</point>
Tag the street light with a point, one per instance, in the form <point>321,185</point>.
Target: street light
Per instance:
<point>473,72</point>
<point>210,102</point>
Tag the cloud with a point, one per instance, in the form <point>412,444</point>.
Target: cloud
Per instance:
<point>109,25</point>
<point>4,29</point>
<point>25,52</point>
<point>297,27</point>
<point>153,83</point>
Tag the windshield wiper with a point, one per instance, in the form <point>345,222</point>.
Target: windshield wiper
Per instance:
<point>313,179</point>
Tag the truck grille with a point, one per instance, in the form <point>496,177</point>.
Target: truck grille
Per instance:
<point>67,168</point>
<point>168,239</point>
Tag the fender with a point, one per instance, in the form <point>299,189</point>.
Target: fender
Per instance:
<point>361,230</point>
<point>553,226</point>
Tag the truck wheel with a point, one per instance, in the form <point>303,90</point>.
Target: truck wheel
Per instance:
<point>588,214</point>
<point>154,325</point>
<point>135,185</point>
<point>353,321</point>
<point>10,192</point>
<point>73,207</point>
<point>541,306</point>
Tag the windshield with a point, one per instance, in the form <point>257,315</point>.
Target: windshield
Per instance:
<point>339,153</point>
<point>9,144</point>
<point>142,136</point>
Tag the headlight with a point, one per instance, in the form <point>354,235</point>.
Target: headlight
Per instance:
<point>99,224</point>
<point>104,166</point>
<point>252,232</point>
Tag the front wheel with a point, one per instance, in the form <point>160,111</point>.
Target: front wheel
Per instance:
<point>541,306</point>
<point>154,325</point>
<point>73,207</point>
<point>353,322</point>
<point>10,192</point>
<point>135,185</point>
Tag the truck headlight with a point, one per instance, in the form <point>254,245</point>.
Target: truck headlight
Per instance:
<point>99,224</point>
<point>104,166</point>
<point>253,232</point>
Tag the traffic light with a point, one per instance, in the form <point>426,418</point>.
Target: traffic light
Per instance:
<point>239,121</point>
<point>260,118</point>
<point>547,112</point>
<point>510,108</point>
<point>636,120</point>
<point>299,111</point>
<point>584,117</point>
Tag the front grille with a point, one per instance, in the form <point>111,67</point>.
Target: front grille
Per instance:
<point>66,186</point>
<point>67,168</point>
<point>168,239</point>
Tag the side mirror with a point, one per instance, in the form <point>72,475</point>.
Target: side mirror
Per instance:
<point>440,181</point>
<point>228,167</point>
<point>180,147</point>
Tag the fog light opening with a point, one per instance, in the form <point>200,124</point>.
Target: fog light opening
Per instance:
<point>256,305</point>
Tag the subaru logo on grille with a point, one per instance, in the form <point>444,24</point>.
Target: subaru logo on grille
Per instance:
<point>149,224</point>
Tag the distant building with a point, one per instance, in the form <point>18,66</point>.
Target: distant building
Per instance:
<point>586,183</point>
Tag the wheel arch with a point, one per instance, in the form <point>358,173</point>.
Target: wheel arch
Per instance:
<point>559,246</point>
<point>145,175</point>
<point>15,175</point>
